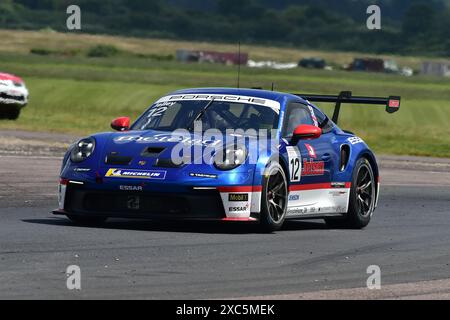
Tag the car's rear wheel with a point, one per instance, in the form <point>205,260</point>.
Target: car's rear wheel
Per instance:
<point>274,198</point>
<point>86,220</point>
<point>362,198</point>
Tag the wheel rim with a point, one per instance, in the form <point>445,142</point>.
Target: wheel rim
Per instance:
<point>276,196</point>
<point>365,191</point>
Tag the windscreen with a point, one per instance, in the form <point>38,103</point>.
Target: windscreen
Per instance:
<point>173,115</point>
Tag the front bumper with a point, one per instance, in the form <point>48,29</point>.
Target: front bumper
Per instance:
<point>13,97</point>
<point>194,203</point>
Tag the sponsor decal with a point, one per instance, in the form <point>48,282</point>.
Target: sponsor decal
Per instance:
<point>166,138</point>
<point>203,175</point>
<point>394,103</point>
<point>313,168</point>
<point>142,163</point>
<point>217,97</point>
<point>164,104</point>
<point>333,209</point>
<point>294,197</point>
<point>337,193</point>
<point>140,174</point>
<point>297,211</point>
<point>133,203</point>
<point>313,116</point>
<point>238,197</point>
<point>295,164</point>
<point>355,140</point>
<point>131,188</point>
<point>311,151</point>
<point>81,169</point>
<point>237,209</point>
<point>338,185</point>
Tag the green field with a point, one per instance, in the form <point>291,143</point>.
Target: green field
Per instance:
<point>81,95</point>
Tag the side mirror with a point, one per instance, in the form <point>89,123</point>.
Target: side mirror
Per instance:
<point>305,132</point>
<point>121,124</point>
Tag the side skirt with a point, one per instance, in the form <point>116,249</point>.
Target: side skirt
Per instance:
<point>318,200</point>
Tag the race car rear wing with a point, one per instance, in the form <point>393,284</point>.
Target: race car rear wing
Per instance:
<point>392,103</point>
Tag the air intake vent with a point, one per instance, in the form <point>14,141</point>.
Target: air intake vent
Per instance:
<point>167,163</point>
<point>115,160</point>
<point>152,151</point>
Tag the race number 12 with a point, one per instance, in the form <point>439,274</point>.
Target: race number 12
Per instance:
<point>295,163</point>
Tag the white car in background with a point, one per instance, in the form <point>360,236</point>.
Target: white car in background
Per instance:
<point>13,96</point>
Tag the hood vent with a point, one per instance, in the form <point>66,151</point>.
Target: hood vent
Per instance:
<point>152,151</point>
<point>115,160</point>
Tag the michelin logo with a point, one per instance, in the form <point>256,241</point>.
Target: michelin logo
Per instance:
<point>140,174</point>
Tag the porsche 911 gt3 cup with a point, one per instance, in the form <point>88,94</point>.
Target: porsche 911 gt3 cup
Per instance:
<point>13,95</point>
<point>229,155</point>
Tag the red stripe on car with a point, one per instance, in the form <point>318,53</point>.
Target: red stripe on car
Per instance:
<point>6,76</point>
<point>315,186</point>
<point>239,219</point>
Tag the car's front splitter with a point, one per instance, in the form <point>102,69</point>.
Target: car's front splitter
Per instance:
<point>227,203</point>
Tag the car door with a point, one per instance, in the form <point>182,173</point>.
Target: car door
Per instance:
<point>314,163</point>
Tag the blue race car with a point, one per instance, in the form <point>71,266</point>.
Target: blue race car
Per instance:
<point>226,154</point>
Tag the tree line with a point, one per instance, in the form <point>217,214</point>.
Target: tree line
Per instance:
<point>408,26</point>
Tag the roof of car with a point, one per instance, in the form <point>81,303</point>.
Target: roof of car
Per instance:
<point>7,76</point>
<point>264,94</point>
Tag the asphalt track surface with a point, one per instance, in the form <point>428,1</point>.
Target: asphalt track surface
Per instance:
<point>408,238</point>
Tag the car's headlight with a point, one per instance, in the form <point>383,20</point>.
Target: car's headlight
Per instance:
<point>82,150</point>
<point>230,157</point>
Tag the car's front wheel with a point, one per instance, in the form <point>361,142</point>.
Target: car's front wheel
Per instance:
<point>362,198</point>
<point>9,112</point>
<point>86,220</point>
<point>274,198</point>
<point>14,113</point>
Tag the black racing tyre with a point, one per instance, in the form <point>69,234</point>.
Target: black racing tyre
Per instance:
<point>4,113</point>
<point>273,198</point>
<point>362,198</point>
<point>13,114</point>
<point>86,220</point>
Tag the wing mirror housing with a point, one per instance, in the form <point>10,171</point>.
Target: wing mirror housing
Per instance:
<point>121,124</point>
<point>305,132</point>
